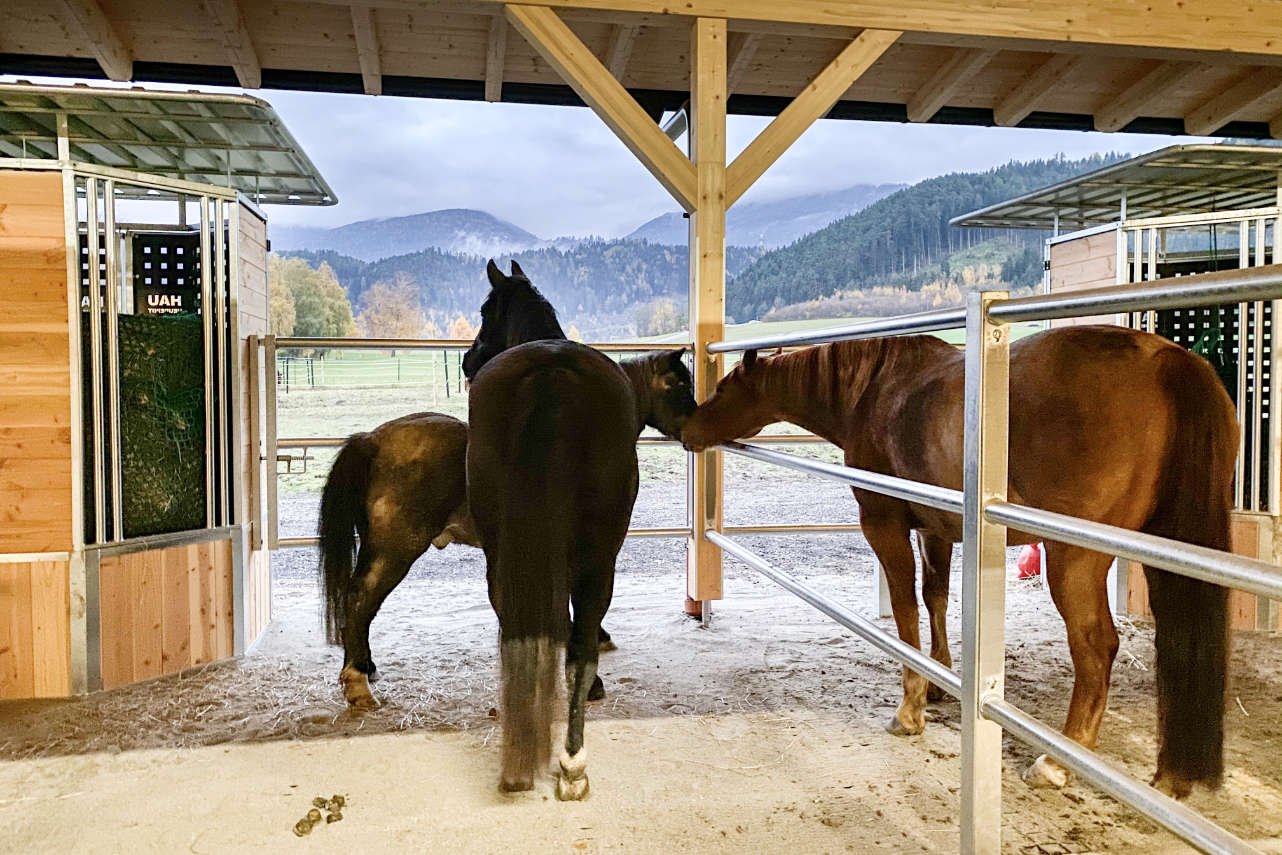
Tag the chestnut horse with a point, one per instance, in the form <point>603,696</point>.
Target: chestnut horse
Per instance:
<point>401,487</point>
<point>1109,424</point>
<point>551,478</point>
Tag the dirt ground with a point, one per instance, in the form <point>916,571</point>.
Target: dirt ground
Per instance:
<point>759,733</point>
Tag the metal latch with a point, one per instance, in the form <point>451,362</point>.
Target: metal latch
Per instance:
<point>288,460</point>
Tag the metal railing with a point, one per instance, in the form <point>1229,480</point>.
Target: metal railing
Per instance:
<point>273,444</point>
<point>986,515</point>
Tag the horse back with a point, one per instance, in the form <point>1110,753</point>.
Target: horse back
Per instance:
<point>417,476</point>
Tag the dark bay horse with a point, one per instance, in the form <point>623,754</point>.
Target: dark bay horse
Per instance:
<point>1109,424</point>
<point>552,477</point>
<point>401,487</point>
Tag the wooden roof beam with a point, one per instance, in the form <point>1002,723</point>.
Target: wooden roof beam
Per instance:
<point>240,47</point>
<point>741,47</point>
<point>1136,98</point>
<point>944,83</point>
<point>495,55</point>
<point>622,38</point>
<point>1204,25</point>
<point>113,57</point>
<point>1225,106</point>
<point>367,49</point>
<point>813,103</point>
<point>1025,97</point>
<point>592,81</point>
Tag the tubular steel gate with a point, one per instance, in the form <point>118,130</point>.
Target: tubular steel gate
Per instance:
<point>986,515</point>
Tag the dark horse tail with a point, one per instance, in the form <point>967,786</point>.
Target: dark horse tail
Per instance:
<point>533,586</point>
<point>1192,616</point>
<point>342,516</point>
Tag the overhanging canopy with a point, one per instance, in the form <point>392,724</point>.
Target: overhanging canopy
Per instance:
<point>1181,179</point>
<point>228,140</point>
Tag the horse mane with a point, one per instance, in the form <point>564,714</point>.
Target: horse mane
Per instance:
<point>529,315</point>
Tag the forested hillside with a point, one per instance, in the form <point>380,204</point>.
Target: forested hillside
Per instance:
<point>896,241</point>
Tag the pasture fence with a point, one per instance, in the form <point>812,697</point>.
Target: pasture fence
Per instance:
<point>986,515</point>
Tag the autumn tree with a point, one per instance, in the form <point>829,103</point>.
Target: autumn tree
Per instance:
<point>392,310</point>
<point>321,307</point>
<point>280,310</point>
<point>462,328</point>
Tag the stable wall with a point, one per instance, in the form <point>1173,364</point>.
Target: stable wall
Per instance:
<point>1080,264</point>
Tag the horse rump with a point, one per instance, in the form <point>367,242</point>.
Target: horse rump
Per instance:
<point>1191,616</point>
<point>343,515</point>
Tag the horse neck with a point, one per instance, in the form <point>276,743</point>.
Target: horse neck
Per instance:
<point>816,388</point>
<point>638,377</point>
<point>534,328</point>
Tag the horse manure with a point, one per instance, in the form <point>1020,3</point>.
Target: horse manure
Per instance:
<point>319,802</point>
<point>313,816</point>
<point>303,827</point>
<point>338,801</point>
<point>493,713</point>
<point>333,817</point>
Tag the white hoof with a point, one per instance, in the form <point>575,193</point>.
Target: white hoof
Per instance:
<point>1046,773</point>
<point>356,689</point>
<point>574,767</point>
<point>572,790</point>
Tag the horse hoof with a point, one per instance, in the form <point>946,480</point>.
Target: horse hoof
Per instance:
<point>597,691</point>
<point>1045,773</point>
<point>356,689</point>
<point>896,727</point>
<point>374,676</point>
<point>1175,786</point>
<point>516,785</point>
<point>572,784</point>
<point>934,694</point>
<point>605,645</point>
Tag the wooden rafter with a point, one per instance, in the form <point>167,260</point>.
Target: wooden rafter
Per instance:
<point>367,50</point>
<point>813,102</point>
<point>495,54</point>
<point>112,55</point>
<point>622,38</point>
<point>1043,80</point>
<point>240,47</point>
<point>742,47</point>
<point>1136,98</point>
<point>592,81</point>
<point>944,83</point>
<point>1208,25</point>
<point>1225,106</point>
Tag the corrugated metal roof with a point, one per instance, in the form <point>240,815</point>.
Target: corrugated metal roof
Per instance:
<point>228,140</point>
<point>1181,179</point>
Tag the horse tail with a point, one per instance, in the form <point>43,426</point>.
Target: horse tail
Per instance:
<point>1191,616</point>
<point>533,589</point>
<point>342,516</point>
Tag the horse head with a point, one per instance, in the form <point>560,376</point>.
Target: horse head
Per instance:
<point>513,313</point>
<point>664,389</point>
<point>737,409</point>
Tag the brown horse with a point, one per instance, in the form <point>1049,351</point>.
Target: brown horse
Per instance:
<point>402,488</point>
<point>1108,424</point>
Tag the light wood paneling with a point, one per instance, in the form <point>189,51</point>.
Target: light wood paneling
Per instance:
<point>35,369</point>
<point>253,321</point>
<point>1076,265</point>
<point>164,610</point>
<point>35,657</point>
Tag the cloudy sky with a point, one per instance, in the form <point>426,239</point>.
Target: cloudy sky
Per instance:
<point>559,171</point>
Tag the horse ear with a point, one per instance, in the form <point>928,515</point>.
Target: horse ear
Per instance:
<point>497,279</point>
<point>675,357</point>
<point>749,359</point>
<point>517,271</point>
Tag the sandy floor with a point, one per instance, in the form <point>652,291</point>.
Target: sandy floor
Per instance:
<point>762,732</point>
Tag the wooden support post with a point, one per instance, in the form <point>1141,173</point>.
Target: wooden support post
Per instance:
<point>707,287</point>
<point>812,104</point>
<point>495,55</point>
<point>101,37</point>
<point>367,49</point>
<point>230,20</point>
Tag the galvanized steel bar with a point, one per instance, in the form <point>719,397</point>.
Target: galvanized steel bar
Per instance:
<point>95,361</point>
<point>221,340</point>
<point>319,342</point>
<point>1183,822</point>
<point>1256,362</point>
<point>905,654</point>
<point>269,385</point>
<point>888,485</point>
<point>1206,289</point>
<point>207,309</point>
<point>983,599</point>
<point>113,357</point>
<point>1209,565</point>
<point>922,322</point>
<point>337,441</point>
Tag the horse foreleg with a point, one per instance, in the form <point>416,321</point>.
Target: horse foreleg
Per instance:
<point>1078,580</point>
<point>936,564</point>
<point>369,589</point>
<point>888,535</point>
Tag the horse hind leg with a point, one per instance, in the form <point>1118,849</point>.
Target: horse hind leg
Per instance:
<point>1078,580</point>
<point>936,564</point>
<point>370,588</point>
<point>888,537</point>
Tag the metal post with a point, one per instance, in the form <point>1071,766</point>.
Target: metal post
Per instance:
<point>95,360</point>
<point>113,358</point>
<point>252,514</point>
<point>64,138</point>
<point>269,372</point>
<point>707,292</point>
<point>221,337</point>
<point>983,574</point>
<point>207,317</point>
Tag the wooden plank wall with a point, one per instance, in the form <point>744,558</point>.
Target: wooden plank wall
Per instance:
<point>35,368</point>
<point>164,610</point>
<point>253,321</point>
<point>1088,262</point>
<point>35,630</point>
<point>1252,537</point>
